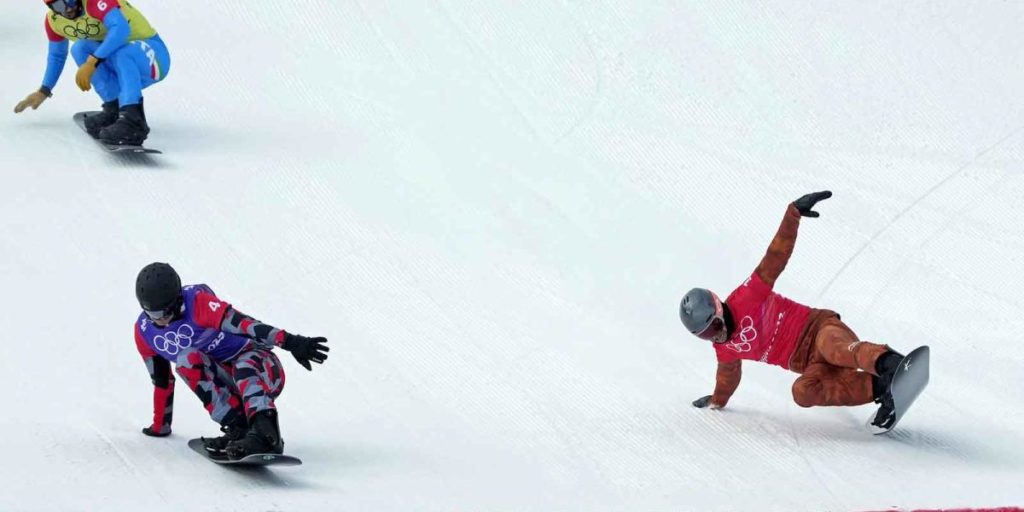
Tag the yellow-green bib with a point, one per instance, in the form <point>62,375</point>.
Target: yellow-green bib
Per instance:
<point>87,27</point>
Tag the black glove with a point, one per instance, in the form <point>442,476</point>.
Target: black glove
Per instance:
<point>702,402</point>
<point>805,203</point>
<point>306,349</point>
<point>155,433</point>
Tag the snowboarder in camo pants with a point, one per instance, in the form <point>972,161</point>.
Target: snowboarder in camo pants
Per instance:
<point>755,323</point>
<point>224,356</point>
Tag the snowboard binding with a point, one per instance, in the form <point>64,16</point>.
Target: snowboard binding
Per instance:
<point>908,378</point>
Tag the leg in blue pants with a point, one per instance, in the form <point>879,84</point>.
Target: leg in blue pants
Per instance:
<point>132,68</point>
<point>104,82</point>
<point>122,76</point>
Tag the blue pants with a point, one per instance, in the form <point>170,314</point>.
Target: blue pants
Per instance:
<point>129,70</point>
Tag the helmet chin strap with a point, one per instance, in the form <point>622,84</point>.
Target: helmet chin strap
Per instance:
<point>730,325</point>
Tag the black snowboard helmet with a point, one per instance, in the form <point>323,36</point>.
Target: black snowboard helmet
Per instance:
<point>703,315</point>
<point>158,289</point>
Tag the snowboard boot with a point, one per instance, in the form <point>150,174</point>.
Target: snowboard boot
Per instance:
<point>881,386</point>
<point>264,436</point>
<point>101,120</point>
<point>130,129</point>
<point>232,432</point>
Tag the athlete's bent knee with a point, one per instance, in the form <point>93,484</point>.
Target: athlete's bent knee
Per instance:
<point>190,358</point>
<point>804,393</point>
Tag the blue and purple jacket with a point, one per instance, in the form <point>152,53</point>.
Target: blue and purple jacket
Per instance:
<point>207,324</point>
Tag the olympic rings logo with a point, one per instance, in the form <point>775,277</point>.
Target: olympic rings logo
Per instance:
<point>747,335</point>
<point>174,342</point>
<point>83,29</point>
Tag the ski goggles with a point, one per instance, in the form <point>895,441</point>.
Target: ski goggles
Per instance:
<point>62,6</point>
<point>169,311</point>
<point>715,330</point>
<point>157,315</point>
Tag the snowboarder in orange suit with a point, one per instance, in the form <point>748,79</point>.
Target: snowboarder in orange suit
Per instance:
<point>756,323</point>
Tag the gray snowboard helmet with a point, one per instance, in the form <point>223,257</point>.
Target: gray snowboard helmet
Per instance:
<point>703,315</point>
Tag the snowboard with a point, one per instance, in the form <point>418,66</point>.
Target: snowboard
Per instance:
<point>910,379</point>
<point>256,459</point>
<point>111,148</point>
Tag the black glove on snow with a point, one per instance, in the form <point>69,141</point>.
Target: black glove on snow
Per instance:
<point>702,402</point>
<point>306,349</point>
<point>805,203</point>
<point>155,433</point>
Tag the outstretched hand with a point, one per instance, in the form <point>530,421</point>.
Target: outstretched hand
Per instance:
<point>306,349</point>
<point>33,100</point>
<point>807,202</point>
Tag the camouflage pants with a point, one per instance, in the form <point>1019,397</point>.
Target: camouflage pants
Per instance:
<point>839,368</point>
<point>233,389</point>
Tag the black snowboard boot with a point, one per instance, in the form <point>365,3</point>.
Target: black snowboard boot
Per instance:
<point>232,432</point>
<point>881,385</point>
<point>101,120</point>
<point>130,129</point>
<point>264,436</point>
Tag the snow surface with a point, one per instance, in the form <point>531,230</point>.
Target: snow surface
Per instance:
<point>492,209</point>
